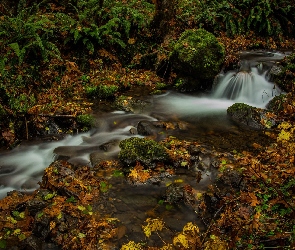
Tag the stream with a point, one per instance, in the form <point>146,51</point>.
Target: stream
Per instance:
<point>204,118</point>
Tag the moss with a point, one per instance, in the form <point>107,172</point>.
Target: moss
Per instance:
<point>157,92</point>
<point>86,120</point>
<point>198,53</point>
<point>101,91</point>
<point>145,151</point>
<point>239,107</point>
<point>161,85</point>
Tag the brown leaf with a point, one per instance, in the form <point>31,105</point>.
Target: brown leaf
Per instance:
<point>249,198</point>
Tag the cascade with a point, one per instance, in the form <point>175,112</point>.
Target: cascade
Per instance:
<point>22,168</point>
<point>247,86</point>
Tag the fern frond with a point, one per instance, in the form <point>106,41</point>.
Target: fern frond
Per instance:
<point>15,47</point>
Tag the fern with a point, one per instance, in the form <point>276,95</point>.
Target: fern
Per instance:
<point>265,17</point>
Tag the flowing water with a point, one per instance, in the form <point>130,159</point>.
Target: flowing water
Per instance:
<point>204,114</point>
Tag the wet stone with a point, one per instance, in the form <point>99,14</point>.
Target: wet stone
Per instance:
<point>96,158</point>
<point>109,145</point>
<point>174,193</point>
<point>49,246</point>
<point>33,243</point>
<point>41,228</point>
<point>146,128</point>
<point>35,206</point>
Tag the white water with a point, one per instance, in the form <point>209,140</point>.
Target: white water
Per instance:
<point>248,87</point>
<point>251,88</point>
<point>22,168</point>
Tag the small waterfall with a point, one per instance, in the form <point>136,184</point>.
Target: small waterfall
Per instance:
<point>248,85</point>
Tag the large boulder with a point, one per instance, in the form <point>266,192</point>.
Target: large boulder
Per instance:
<point>251,117</point>
<point>198,54</point>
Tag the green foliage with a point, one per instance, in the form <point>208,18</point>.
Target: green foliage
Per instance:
<point>104,186</point>
<point>118,173</point>
<point>26,37</point>
<point>101,91</point>
<point>2,111</point>
<point>22,103</point>
<point>264,17</point>
<point>3,243</point>
<point>18,215</point>
<point>71,199</point>
<point>109,25</point>
<point>49,196</point>
<point>85,119</point>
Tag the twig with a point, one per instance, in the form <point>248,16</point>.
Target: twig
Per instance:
<point>211,223</point>
<point>274,187</point>
<point>27,130</point>
<point>53,116</point>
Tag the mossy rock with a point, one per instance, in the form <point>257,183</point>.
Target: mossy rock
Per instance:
<point>198,53</point>
<point>142,150</point>
<point>245,115</point>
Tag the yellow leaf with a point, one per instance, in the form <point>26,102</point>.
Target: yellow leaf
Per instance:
<point>181,240</point>
<point>190,229</point>
<point>167,247</point>
<point>52,225</point>
<point>152,226</point>
<point>131,245</point>
<point>215,243</point>
<point>284,136</point>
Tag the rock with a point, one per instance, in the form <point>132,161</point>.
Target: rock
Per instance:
<point>274,72</point>
<point>231,178</point>
<point>129,104</point>
<point>174,193</point>
<point>41,227</point>
<point>49,246</point>
<point>276,104</point>
<point>97,157</point>
<point>197,54</point>
<point>251,117</point>
<point>146,128</point>
<point>35,205</point>
<point>133,131</point>
<point>145,151</point>
<point>109,146</point>
<point>33,243</point>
